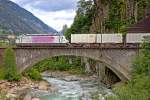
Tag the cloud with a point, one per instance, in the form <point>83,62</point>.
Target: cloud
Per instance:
<point>55,19</point>
<point>48,5</point>
<point>54,13</point>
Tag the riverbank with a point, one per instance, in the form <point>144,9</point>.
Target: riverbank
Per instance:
<point>85,86</point>
<point>20,90</point>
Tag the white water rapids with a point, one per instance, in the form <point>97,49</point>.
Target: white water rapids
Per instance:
<point>75,90</point>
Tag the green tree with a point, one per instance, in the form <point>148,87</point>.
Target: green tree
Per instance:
<point>10,72</point>
<point>83,19</point>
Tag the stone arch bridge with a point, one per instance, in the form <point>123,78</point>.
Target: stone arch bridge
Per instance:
<point>119,59</point>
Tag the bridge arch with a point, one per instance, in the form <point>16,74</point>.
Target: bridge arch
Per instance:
<point>26,58</point>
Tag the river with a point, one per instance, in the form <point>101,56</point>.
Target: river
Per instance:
<point>75,90</point>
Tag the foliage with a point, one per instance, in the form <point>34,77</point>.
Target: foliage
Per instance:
<point>55,64</point>
<point>95,95</point>
<point>139,87</point>
<point>60,64</point>
<point>142,63</point>
<point>121,15</point>
<point>77,70</point>
<point>118,18</point>
<point>83,19</point>
<point>33,74</point>
<point>10,71</point>
<point>142,5</point>
<point>1,73</point>
<point>3,43</point>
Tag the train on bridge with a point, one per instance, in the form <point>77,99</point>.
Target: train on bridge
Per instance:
<point>32,40</point>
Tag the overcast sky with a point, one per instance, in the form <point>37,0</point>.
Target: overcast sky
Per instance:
<point>54,13</point>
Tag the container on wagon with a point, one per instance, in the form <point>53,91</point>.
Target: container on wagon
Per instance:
<point>110,38</point>
<point>136,37</point>
<point>83,38</point>
<point>96,38</point>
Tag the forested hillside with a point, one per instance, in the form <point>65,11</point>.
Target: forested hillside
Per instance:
<point>116,15</point>
<point>108,15</point>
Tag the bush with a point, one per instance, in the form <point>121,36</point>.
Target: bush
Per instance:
<point>139,87</point>
<point>55,64</point>
<point>60,64</point>
<point>33,74</point>
<point>1,72</point>
<point>10,71</point>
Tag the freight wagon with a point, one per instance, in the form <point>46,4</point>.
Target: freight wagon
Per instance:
<point>108,38</point>
<point>136,37</point>
<point>96,38</point>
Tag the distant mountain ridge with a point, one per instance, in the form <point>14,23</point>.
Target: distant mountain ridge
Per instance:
<point>17,20</point>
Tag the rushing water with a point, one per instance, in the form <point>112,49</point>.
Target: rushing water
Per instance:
<point>74,90</point>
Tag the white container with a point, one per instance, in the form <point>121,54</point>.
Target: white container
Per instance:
<point>136,37</point>
<point>109,38</point>
<point>83,38</point>
<point>96,38</point>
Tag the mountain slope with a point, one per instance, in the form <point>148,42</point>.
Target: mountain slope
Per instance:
<point>14,19</point>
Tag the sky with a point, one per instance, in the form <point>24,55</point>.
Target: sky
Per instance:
<point>54,13</point>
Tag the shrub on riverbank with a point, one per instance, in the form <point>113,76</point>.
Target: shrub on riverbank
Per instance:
<point>4,43</point>
<point>9,66</point>
<point>55,64</point>
<point>139,87</point>
<point>61,64</point>
<point>33,74</point>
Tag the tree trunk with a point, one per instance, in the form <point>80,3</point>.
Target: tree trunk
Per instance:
<point>136,12</point>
